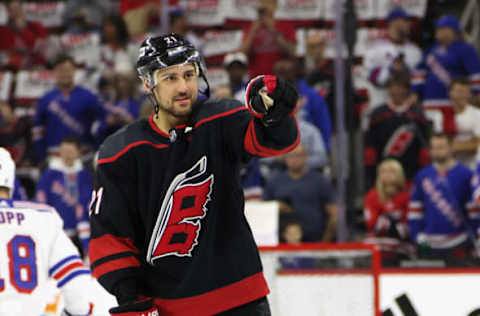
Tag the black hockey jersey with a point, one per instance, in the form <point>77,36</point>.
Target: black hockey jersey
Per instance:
<point>167,218</point>
<point>399,133</point>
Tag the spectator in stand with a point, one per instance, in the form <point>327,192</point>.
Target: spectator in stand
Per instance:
<point>385,211</point>
<point>86,15</point>
<point>312,107</point>
<point>22,42</point>
<point>292,234</point>
<point>450,57</point>
<point>116,47</point>
<point>467,118</point>
<point>306,194</point>
<point>319,70</point>
<point>441,213</point>
<point>15,134</point>
<point>397,130</point>
<point>236,65</point>
<point>311,139</point>
<point>395,54</point>
<point>178,25</point>
<point>319,74</point>
<point>67,186</point>
<point>138,14</point>
<point>266,41</point>
<point>67,110</point>
<point>124,106</point>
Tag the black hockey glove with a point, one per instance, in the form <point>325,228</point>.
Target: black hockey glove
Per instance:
<point>270,98</point>
<point>138,308</point>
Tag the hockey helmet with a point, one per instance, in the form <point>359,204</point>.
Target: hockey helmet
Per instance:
<point>165,51</point>
<point>7,170</point>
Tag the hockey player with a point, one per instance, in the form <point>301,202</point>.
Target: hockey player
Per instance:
<point>442,218</point>
<point>169,236</point>
<point>35,248</point>
<point>395,54</point>
<point>449,58</point>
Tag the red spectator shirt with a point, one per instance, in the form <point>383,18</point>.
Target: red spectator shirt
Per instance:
<point>265,51</point>
<point>19,45</point>
<point>396,207</point>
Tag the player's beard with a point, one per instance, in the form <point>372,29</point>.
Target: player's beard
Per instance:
<point>171,109</point>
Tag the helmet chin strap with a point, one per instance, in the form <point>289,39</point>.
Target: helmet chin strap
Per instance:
<point>157,106</point>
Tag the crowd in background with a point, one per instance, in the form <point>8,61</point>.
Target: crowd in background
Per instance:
<point>417,113</point>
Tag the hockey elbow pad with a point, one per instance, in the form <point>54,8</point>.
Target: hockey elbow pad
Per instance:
<point>142,307</point>
<point>270,98</point>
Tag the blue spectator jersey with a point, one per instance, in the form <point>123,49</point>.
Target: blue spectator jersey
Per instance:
<point>68,190</point>
<point>314,109</point>
<point>58,116</point>
<point>439,66</point>
<point>441,210</point>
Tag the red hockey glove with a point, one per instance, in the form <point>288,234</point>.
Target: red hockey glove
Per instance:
<point>140,308</point>
<point>270,98</point>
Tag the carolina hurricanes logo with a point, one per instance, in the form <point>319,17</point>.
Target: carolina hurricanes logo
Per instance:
<point>178,224</point>
<point>399,142</point>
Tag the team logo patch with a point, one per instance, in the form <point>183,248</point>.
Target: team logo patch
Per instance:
<point>399,142</point>
<point>179,221</point>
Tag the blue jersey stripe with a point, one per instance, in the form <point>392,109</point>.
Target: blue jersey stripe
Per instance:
<point>71,276</point>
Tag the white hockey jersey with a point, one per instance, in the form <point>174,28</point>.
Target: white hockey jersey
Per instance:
<point>34,249</point>
<point>378,62</point>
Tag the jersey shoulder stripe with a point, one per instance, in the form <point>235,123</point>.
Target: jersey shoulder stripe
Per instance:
<point>214,109</point>
<point>128,137</point>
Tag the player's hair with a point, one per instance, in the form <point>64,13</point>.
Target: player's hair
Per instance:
<point>63,59</point>
<point>401,182</point>
<point>445,135</point>
<point>464,81</point>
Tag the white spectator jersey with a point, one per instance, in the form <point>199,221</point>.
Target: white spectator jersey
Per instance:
<point>378,62</point>
<point>34,249</point>
<point>468,128</point>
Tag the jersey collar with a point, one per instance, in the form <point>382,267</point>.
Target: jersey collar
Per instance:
<point>159,131</point>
